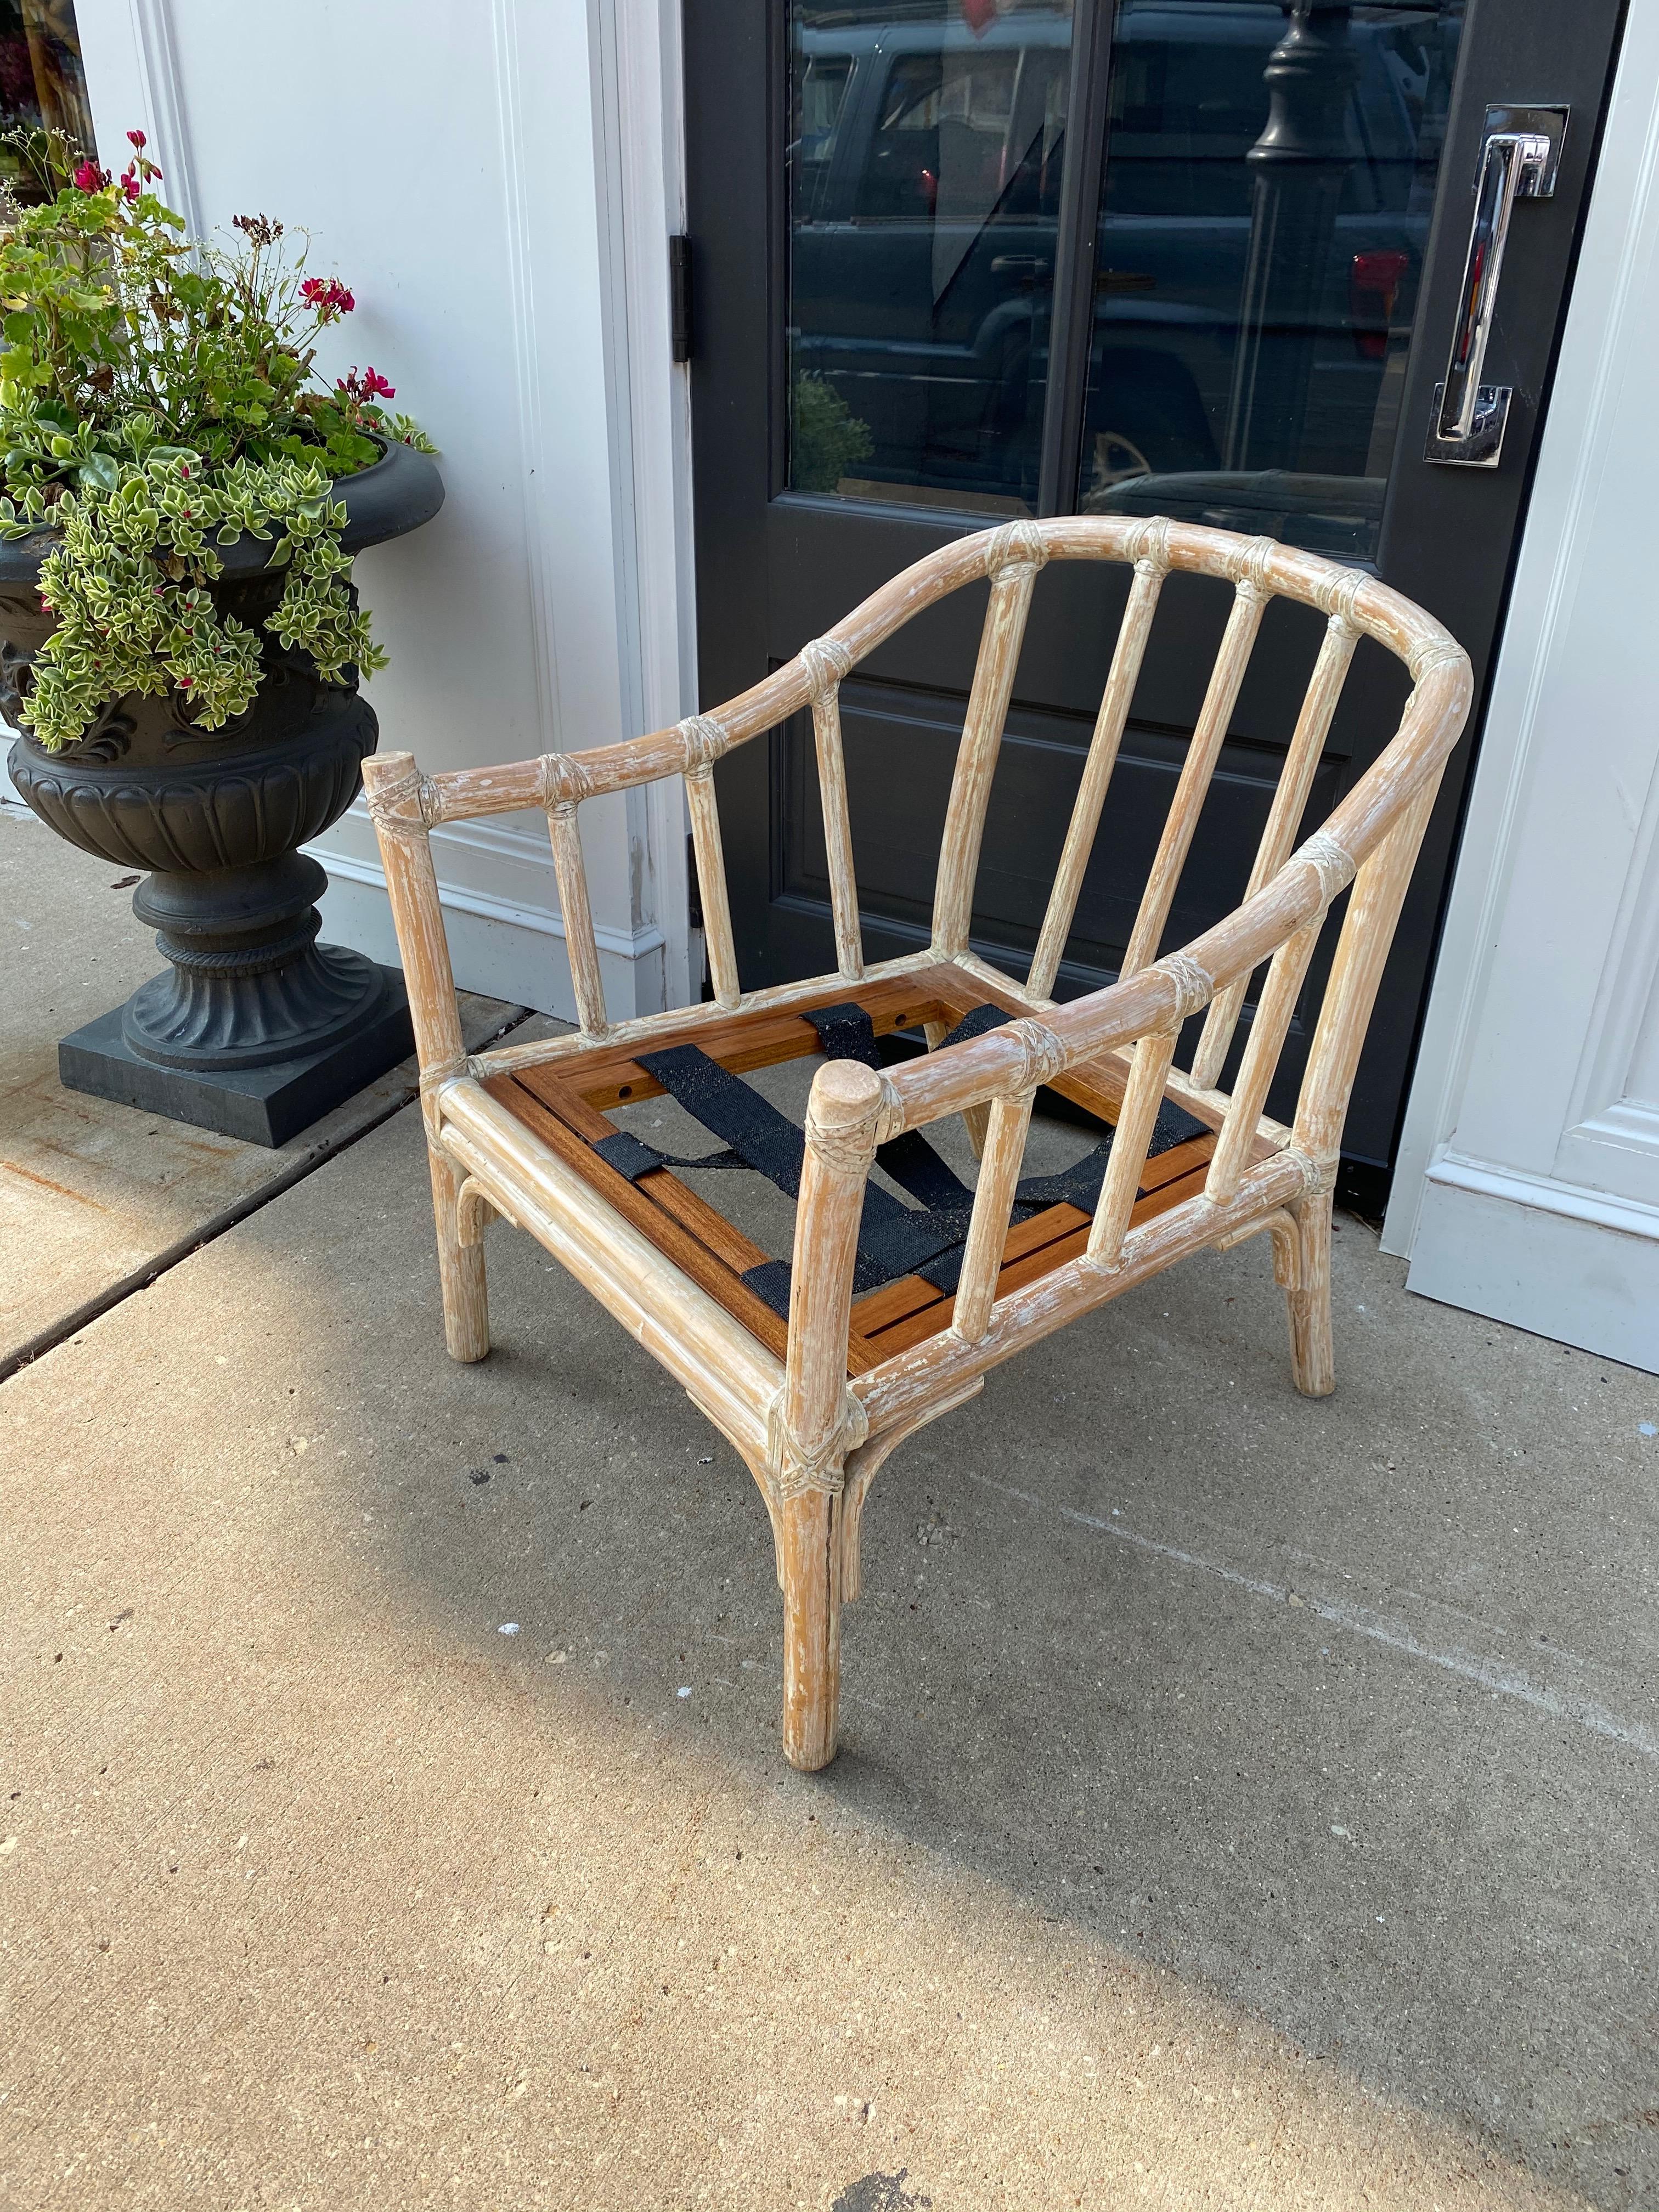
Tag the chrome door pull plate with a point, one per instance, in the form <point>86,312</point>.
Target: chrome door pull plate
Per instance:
<point>1520,157</point>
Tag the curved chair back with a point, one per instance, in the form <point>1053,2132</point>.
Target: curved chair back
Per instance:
<point>1374,831</point>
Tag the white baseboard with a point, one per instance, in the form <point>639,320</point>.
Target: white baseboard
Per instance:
<point>1564,1262</point>
<point>507,941</point>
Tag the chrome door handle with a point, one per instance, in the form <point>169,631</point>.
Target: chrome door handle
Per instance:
<point>1520,154</point>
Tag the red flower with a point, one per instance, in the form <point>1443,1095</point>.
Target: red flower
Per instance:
<point>138,138</point>
<point>89,178</point>
<point>327,299</point>
<point>131,186</point>
<point>364,385</point>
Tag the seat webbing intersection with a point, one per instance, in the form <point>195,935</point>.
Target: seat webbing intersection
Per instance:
<point>927,1239</point>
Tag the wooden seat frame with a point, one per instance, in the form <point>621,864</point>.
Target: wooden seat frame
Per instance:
<point>815,1406</point>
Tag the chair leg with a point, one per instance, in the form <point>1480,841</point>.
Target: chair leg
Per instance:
<point>809,1554</point>
<point>460,1262</point>
<point>1308,1297</point>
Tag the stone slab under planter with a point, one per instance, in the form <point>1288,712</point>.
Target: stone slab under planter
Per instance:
<point>261,1105</point>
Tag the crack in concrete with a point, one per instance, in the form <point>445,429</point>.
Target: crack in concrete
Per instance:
<point>1495,1676</point>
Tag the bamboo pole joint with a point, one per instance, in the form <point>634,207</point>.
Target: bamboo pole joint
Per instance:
<point>1016,545</point>
<point>797,1465</point>
<point>1334,867</point>
<point>1192,985</point>
<point>400,800</point>
<point>707,740</point>
<point>827,662</point>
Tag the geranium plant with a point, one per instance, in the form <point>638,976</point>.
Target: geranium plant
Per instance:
<point>158,399</point>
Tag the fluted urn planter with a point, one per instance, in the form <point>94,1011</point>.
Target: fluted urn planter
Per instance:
<point>253,1029</point>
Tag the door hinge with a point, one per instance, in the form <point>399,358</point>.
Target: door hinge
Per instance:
<point>679,296</point>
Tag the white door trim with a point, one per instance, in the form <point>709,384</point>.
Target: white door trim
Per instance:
<point>1527,1178</point>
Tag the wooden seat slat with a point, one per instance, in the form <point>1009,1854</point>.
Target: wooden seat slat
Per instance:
<point>570,1091</point>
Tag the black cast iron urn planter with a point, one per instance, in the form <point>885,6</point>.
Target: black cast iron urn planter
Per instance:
<point>254,1029</point>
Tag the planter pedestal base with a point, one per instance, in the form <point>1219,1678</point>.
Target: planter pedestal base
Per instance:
<point>259,1105</point>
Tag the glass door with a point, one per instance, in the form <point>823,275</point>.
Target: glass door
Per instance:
<point>957,260</point>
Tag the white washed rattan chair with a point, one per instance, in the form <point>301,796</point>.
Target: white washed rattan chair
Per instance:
<point>887,1317</point>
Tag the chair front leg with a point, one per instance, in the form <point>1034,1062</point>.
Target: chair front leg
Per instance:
<point>460,1262</point>
<point>810,1547</point>
<point>815,1420</point>
<point>1308,1297</point>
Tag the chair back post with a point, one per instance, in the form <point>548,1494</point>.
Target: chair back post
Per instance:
<point>826,661</point>
<point>706,740</point>
<point>401,808</point>
<point>1290,799</point>
<point>1362,949</point>
<point>1149,552</point>
<point>1013,556</point>
<point>564,786</point>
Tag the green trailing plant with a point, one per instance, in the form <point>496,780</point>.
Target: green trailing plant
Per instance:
<point>828,436</point>
<point>157,403</point>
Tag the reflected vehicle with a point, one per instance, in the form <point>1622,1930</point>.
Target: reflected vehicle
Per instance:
<point>925,196</point>
<point>924,191</point>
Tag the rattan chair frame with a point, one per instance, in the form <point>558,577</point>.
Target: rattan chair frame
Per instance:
<point>816,1408</point>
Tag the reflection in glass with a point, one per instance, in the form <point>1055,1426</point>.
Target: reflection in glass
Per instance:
<point>925,154</point>
<point>1269,177</point>
<point>41,79</point>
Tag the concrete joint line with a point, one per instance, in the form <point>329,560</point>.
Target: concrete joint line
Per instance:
<point>210,1231</point>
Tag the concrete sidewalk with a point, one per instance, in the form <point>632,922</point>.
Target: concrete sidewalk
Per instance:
<point>95,1198</point>
<point>1245,1801</point>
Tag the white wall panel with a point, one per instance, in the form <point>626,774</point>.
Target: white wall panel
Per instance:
<point>462,168</point>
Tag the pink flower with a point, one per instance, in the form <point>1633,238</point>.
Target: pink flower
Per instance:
<point>327,299</point>
<point>138,138</point>
<point>131,186</point>
<point>89,178</point>
<point>364,385</point>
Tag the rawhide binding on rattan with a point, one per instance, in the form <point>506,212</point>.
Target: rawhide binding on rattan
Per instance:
<point>900,1293</point>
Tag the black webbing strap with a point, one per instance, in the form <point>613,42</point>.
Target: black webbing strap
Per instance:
<point>1079,1184</point>
<point>630,1156</point>
<point>847,1033</point>
<point>894,1239</point>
